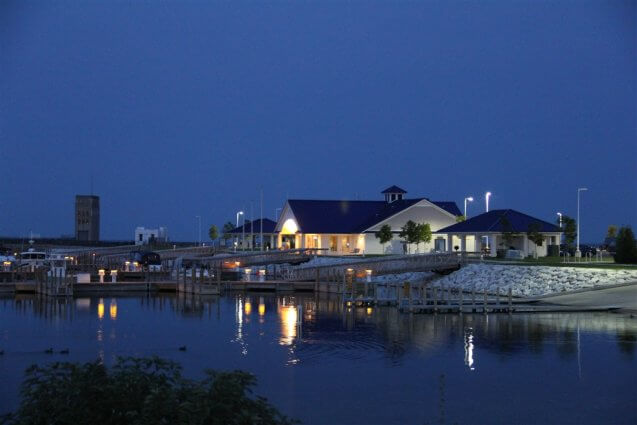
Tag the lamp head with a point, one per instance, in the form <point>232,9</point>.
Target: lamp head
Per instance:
<point>470,199</point>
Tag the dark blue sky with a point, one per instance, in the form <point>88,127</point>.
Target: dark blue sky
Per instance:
<point>181,109</point>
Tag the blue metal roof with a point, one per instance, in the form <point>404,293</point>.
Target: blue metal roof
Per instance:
<point>268,226</point>
<point>492,222</point>
<point>448,206</point>
<point>320,216</point>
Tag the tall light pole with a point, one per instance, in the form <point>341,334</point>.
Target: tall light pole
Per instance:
<point>243,233</point>
<point>486,199</point>
<point>236,227</point>
<point>559,214</point>
<point>198,217</point>
<point>578,253</point>
<point>470,199</point>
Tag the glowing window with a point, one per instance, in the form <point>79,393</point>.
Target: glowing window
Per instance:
<point>289,227</point>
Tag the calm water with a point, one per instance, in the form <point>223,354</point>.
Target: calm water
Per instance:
<point>357,366</point>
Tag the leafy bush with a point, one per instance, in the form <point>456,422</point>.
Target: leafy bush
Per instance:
<point>626,247</point>
<point>138,391</point>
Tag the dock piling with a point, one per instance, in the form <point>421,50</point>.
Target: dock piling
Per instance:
<point>435,296</point>
<point>510,301</point>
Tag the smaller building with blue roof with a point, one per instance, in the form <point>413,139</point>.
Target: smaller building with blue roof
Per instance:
<point>503,229</point>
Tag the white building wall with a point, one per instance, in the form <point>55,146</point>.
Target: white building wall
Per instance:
<point>422,212</point>
<point>144,235</point>
<point>373,245</point>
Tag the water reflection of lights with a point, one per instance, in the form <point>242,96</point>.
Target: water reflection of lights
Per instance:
<point>239,317</point>
<point>289,318</point>
<point>100,309</point>
<point>468,349</point>
<point>247,307</point>
<point>83,303</point>
<point>261,307</point>
<point>113,309</point>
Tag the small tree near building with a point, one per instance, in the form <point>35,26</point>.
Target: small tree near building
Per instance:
<point>409,234</point>
<point>612,231</point>
<point>384,235</point>
<point>460,218</point>
<point>626,247</point>
<point>508,235</point>
<point>213,233</point>
<point>227,228</point>
<point>422,233</point>
<point>534,235</point>
<point>570,230</point>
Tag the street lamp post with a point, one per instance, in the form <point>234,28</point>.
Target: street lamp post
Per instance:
<point>470,199</point>
<point>236,227</point>
<point>578,253</point>
<point>559,214</point>
<point>486,201</point>
<point>243,234</point>
<point>198,217</point>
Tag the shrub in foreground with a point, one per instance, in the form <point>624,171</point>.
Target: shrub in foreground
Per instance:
<point>138,391</point>
<point>626,247</point>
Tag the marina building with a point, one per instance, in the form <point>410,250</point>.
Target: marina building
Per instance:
<point>504,230</point>
<point>87,218</point>
<point>348,227</point>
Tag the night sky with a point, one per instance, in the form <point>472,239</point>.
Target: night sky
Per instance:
<point>177,109</point>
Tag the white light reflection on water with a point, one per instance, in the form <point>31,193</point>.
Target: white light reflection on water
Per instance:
<point>468,349</point>
<point>239,319</point>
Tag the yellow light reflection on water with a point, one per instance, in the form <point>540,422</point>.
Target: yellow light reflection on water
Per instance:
<point>289,317</point>
<point>100,309</point>
<point>113,309</point>
<point>261,308</point>
<point>247,307</point>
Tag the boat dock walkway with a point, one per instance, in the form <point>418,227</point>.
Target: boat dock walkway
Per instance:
<point>395,264</point>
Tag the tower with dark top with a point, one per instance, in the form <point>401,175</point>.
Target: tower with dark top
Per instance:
<point>87,218</point>
<point>393,193</point>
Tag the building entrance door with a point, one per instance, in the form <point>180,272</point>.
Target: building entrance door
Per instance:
<point>288,241</point>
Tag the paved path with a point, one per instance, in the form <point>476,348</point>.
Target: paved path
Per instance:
<point>624,297</point>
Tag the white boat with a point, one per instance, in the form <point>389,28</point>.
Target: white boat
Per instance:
<point>32,259</point>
